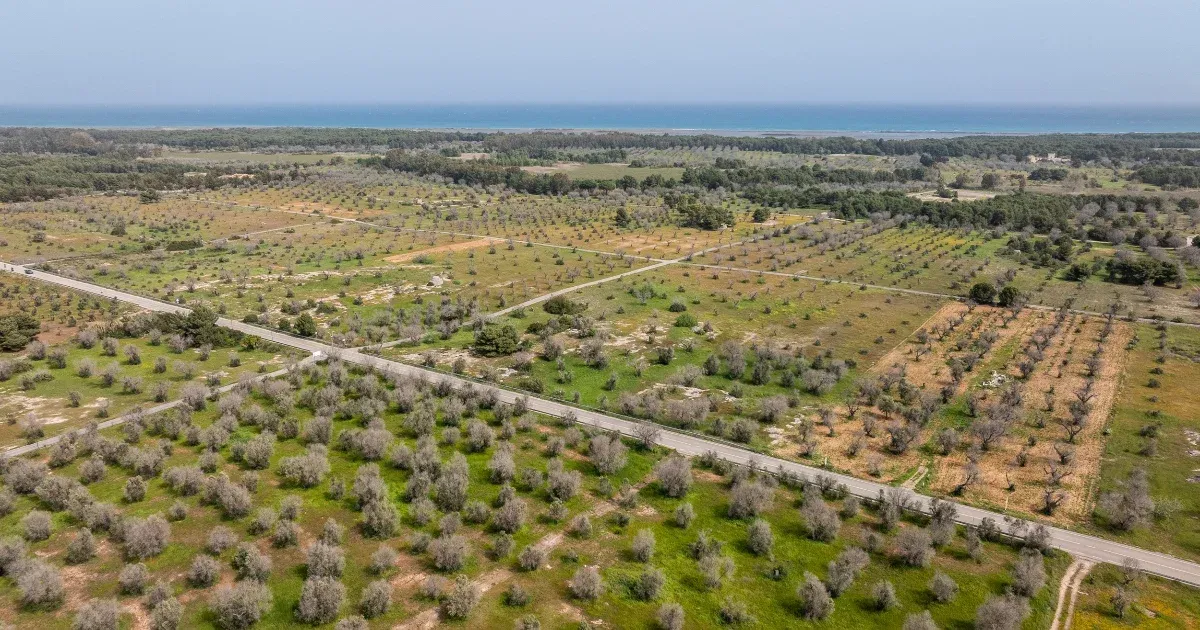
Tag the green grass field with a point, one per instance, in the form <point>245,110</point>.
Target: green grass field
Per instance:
<point>614,526</point>
<point>51,403</point>
<point>1155,407</point>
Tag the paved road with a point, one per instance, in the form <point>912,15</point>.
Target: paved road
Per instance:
<point>1081,545</point>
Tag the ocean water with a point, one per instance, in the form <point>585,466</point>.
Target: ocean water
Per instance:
<point>900,120</point>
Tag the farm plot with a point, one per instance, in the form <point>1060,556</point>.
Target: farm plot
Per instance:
<point>63,228</point>
<point>915,257</point>
<point>1001,408</point>
<point>912,258</point>
<point>718,351</point>
<point>868,432</point>
<point>651,231</point>
<point>1096,293</point>
<point>1033,421</point>
<point>51,388</point>
<point>613,171</point>
<point>578,221</point>
<point>56,313</point>
<point>951,262</point>
<point>1112,598</point>
<point>358,284</point>
<point>202,157</point>
<point>332,494</point>
<point>335,192</point>
<point>1152,452</point>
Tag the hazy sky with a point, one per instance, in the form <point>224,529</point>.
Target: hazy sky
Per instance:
<point>444,51</point>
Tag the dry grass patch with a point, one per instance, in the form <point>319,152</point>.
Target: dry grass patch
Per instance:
<point>1004,481</point>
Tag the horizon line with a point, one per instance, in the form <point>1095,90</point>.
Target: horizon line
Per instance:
<point>630,103</point>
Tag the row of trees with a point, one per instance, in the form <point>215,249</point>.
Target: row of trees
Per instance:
<point>1141,146</point>
<point>500,173</point>
<point>742,176</point>
<point>1170,176</point>
<point>1084,147</point>
<point>40,177</point>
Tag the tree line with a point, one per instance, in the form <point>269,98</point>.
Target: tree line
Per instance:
<point>40,177</point>
<point>1081,146</point>
<point>490,173</point>
<point>1016,211</point>
<point>99,141</point>
<point>807,175</point>
<point>1169,176</point>
<point>1154,147</point>
<point>542,156</point>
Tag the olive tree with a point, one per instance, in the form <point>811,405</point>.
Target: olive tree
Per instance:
<point>376,599</point>
<point>98,614</point>
<point>240,606</point>
<point>320,600</point>
<point>587,583</point>
<point>815,601</point>
<point>674,476</point>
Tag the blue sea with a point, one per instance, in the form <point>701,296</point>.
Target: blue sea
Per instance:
<point>863,120</point>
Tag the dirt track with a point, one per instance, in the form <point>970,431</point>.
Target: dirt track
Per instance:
<point>449,247</point>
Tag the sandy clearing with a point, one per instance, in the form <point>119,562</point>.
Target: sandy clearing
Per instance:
<point>76,579</point>
<point>559,167</point>
<point>450,247</point>
<point>15,406</point>
<point>963,195</point>
<point>141,618</point>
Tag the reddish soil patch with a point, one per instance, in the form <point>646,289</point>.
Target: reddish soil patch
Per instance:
<point>450,247</point>
<point>1063,370</point>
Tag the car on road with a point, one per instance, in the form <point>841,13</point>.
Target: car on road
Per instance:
<point>29,272</point>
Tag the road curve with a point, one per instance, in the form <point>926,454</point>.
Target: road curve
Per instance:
<point>1080,545</point>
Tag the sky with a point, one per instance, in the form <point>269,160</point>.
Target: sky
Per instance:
<point>84,52</point>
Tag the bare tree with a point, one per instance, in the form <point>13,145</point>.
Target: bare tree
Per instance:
<point>1130,505</point>
<point>970,476</point>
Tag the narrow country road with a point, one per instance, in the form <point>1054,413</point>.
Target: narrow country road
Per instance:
<point>661,263</point>
<point>1079,545</point>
